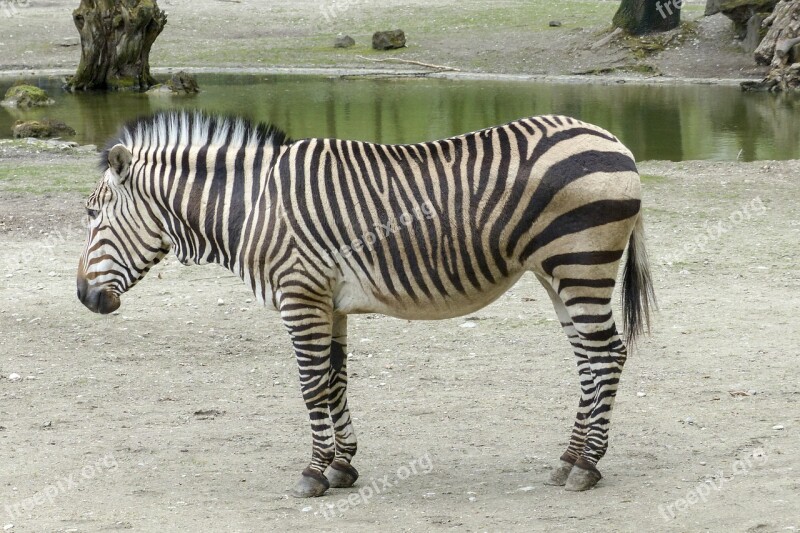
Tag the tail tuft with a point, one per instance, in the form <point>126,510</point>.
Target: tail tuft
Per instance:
<point>638,295</point>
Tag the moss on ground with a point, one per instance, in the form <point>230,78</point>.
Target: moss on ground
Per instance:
<point>643,46</point>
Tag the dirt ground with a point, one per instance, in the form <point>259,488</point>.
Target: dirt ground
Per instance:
<point>182,411</point>
<point>502,36</point>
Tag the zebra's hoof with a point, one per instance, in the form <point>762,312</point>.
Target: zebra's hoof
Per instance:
<point>341,474</point>
<point>311,485</point>
<point>559,475</point>
<point>584,476</point>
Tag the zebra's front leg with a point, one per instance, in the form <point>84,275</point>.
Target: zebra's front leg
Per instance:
<point>310,327</point>
<point>341,472</point>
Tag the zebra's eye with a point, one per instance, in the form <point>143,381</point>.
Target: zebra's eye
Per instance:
<point>93,213</point>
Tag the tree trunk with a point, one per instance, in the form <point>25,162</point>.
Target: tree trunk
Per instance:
<point>116,37</point>
<point>779,49</point>
<point>643,16</point>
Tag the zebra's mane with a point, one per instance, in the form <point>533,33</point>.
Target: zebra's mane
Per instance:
<point>193,128</point>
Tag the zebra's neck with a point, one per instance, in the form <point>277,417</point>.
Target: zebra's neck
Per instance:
<point>206,196</point>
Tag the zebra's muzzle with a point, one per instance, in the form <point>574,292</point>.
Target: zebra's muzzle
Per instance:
<point>97,300</point>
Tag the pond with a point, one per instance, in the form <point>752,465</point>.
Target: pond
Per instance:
<point>681,122</point>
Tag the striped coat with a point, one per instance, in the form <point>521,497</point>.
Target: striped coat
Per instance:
<point>323,228</point>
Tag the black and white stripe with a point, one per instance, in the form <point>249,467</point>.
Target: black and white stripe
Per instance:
<point>323,228</point>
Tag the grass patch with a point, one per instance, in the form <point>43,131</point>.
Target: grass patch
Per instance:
<point>653,178</point>
<point>63,174</point>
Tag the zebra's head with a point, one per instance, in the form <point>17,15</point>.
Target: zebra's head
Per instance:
<point>126,237</point>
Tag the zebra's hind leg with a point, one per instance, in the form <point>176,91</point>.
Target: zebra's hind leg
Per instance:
<point>341,473</point>
<point>589,306</point>
<point>560,473</point>
<point>310,325</point>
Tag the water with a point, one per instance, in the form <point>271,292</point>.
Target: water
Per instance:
<point>657,122</point>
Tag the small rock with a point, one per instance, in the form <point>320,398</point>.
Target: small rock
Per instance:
<point>307,509</point>
<point>208,414</point>
<point>26,96</point>
<point>554,23</point>
<point>641,394</point>
<point>468,325</point>
<point>388,40</point>
<point>61,145</point>
<point>344,41</point>
<point>160,89</point>
<point>220,302</point>
<point>8,527</point>
<point>181,83</point>
<point>778,428</point>
<point>69,42</point>
<point>14,377</point>
<point>689,420</point>
<point>41,129</point>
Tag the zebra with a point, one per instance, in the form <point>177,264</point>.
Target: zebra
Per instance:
<point>323,228</point>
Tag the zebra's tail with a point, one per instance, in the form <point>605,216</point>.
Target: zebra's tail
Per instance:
<point>638,295</point>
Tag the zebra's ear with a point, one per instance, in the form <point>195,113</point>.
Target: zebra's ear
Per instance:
<point>119,161</point>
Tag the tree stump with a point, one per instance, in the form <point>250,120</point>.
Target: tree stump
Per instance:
<point>644,16</point>
<point>116,37</point>
<point>779,48</point>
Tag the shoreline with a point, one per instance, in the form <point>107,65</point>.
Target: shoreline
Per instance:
<point>338,72</point>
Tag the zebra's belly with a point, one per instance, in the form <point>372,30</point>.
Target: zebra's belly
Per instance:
<point>352,298</point>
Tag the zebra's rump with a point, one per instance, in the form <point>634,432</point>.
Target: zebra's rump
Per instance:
<point>443,228</point>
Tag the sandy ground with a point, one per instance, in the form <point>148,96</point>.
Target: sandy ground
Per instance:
<point>182,411</point>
